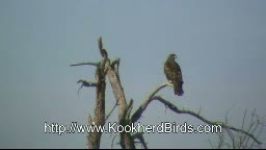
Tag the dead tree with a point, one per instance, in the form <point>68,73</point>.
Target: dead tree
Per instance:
<point>94,138</point>
<point>110,69</point>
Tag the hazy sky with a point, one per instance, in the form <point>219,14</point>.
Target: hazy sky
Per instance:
<point>221,47</point>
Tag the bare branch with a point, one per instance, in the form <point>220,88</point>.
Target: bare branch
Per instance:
<point>129,108</point>
<point>210,142</point>
<point>175,109</point>
<point>87,83</point>
<point>135,117</point>
<point>100,43</point>
<point>94,138</point>
<point>244,118</point>
<point>118,91</point>
<point>113,139</point>
<point>140,137</point>
<point>221,140</point>
<point>241,138</point>
<point>232,137</point>
<point>86,63</point>
<point>115,62</point>
<point>103,51</point>
<point>158,89</point>
<point>109,114</point>
<point>259,131</point>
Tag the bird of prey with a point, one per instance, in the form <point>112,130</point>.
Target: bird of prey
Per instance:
<point>173,73</point>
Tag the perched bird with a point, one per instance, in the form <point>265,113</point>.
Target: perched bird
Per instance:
<point>173,74</point>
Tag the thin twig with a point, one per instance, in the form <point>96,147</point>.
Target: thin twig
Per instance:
<point>232,137</point>
<point>109,114</point>
<point>86,63</point>
<point>86,84</point>
<point>113,139</point>
<point>241,138</point>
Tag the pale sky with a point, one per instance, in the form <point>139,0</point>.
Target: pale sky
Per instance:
<point>221,48</point>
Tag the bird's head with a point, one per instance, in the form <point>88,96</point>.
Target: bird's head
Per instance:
<point>172,56</point>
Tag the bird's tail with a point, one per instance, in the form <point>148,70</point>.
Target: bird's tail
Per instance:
<point>178,89</point>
